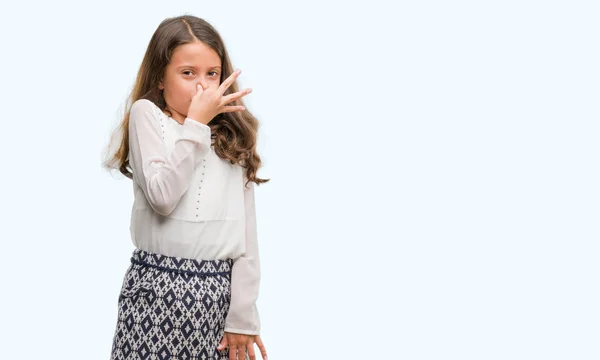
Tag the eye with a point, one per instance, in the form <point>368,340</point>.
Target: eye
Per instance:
<point>214,72</point>
<point>188,71</point>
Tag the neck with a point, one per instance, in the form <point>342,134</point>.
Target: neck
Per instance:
<point>180,118</point>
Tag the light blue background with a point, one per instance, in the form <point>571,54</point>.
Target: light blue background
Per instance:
<point>434,170</point>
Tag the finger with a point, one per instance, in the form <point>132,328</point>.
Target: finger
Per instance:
<point>199,90</point>
<point>232,108</point>
<point>232,352</point>
<point>261,347</point>
<point>232,97</point>
<point>250,348</point>
<point>223,343</point>
<point>230,80</point>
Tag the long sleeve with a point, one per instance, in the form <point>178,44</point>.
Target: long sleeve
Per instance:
<point>243,317</point>
<point>164,178</point>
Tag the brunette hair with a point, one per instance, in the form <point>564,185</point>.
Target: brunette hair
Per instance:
<point>234,134</point>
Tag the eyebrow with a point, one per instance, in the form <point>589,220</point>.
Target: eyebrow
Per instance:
<point>193,67</point>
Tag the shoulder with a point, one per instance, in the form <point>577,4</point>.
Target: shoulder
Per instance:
<point>144,110</point>
<point>144,106</point>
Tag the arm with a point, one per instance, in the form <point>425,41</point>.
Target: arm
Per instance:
<point>242,317</point>
<point>163,177</point>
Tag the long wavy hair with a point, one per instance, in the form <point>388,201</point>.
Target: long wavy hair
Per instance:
<point>234,134</point>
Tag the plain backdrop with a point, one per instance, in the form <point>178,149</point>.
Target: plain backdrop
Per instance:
<point>434,174</point>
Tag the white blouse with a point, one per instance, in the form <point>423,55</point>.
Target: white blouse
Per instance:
<point>190,203</point>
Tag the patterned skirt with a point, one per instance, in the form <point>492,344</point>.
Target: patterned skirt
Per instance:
<point>172,308</point>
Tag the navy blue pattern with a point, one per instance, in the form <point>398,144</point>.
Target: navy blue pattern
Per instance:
<point>172,308</point>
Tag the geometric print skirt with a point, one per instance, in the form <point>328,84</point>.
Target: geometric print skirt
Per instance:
<point>172,308</point>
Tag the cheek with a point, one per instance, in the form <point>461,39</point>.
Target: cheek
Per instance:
<point>171,89</point>
<point>180,91</point>
<point>192,91</point>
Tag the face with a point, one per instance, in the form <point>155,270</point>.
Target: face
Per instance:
<point>191,64</point>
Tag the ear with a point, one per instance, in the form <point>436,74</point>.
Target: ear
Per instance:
<point>160,85</point>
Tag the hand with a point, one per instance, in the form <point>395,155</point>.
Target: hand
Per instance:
<point>208,103</point>
<point>240,343</point>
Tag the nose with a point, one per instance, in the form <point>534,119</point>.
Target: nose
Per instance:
<point>204,84</point>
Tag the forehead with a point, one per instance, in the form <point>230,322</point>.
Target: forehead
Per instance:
<point>195,54</point>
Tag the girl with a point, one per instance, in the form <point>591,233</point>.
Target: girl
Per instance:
<point>189,146</point>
